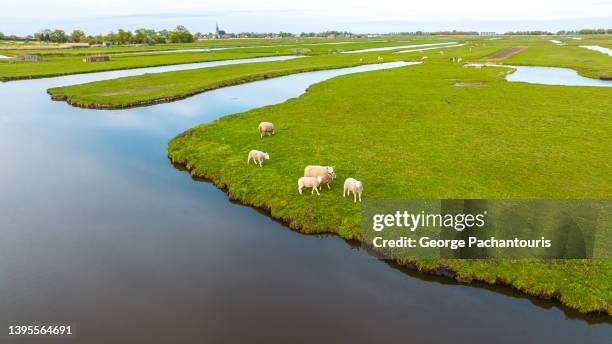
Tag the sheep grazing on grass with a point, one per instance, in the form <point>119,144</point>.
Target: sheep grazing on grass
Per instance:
<point>265,128</point>
<point>354,186</point>
<point>310,182</point>
<point>326,172</point>
<point>424,58</point>
<point>459,60</point>
<point>258,157</point>
<point>452,59</point>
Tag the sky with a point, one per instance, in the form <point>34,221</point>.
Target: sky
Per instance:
<point>379,16</point>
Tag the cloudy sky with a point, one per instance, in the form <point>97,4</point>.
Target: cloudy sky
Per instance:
<point>101,16</point>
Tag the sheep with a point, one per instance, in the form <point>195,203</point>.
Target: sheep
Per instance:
<point>310,182</point>
<point>354,186</point>
<point>258,157</point>
<point>265,128</point>
<point>459,60</point>
<point>326,172</point>
<point>424,58</point>
<point>452,59</point>
<point>380,59</point>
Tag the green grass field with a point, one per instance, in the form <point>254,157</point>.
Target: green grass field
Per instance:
<point>407,133</point>
<point>58,62</point>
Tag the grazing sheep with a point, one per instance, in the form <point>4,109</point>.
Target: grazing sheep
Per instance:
<point>459,60</point>
<point>326,172</point>
<point>452,59</point>
<point>424,58</point>
<point>265,128</point>
<point>354,186</point>
<point>258,157</point>
<point>309,182</point>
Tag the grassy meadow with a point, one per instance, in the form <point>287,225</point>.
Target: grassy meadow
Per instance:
<point>407,133</point>
<point>58,62</point>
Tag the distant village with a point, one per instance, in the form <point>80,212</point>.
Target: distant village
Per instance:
<point>78,38</point>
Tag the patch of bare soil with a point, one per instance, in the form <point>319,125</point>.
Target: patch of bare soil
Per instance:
<point>134,90</point>
<point>504,54</point>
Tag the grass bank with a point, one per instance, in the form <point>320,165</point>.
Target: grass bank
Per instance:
<point>164,87</point>
<point>409,133</point>
<point>57,62</point>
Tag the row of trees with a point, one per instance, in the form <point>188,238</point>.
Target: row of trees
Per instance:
<point>141,36</point>
<point>563,32</point>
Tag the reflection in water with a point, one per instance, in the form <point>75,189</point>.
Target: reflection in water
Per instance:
<point>598,48</point>
<point>100,231</point>
<point>548,76</point>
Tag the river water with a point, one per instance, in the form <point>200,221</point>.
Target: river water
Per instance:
<point>101,232</point>
<point>547,76</point>
<point>601,49</point>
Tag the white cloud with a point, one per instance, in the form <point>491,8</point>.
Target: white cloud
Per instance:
<point>275,15</point>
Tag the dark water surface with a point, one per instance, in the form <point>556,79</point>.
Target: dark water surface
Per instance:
<point>101,232</point>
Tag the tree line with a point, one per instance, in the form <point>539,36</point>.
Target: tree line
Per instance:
<point>140,36</point>
<point>563,32</point>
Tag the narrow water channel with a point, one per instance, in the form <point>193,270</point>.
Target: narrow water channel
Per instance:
<point>547,76</point>
<point>101,232</point>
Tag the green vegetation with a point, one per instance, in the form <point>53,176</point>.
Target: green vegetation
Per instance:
<point>406,133</point>
<point>69,61</point>
<point>152,88</point>
<point>409,133</point>
<point>545,53</point>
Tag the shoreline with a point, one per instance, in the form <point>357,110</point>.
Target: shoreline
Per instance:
<point>440,269</point>
<point>226,83</point>
<point>55,75</point>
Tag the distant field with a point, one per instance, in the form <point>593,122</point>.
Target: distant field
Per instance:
<point>408,133</point>
<point>69,61</point>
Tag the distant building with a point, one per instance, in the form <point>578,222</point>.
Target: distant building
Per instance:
<point>490,33</point>
<point>27,58</point>
<point>219,33</point>
<point>97,58</point>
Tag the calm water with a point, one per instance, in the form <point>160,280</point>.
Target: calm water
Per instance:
<point>398,47</point>
<point>548,76</point>
<point>598,48</point>
<point>227,48</point>
<point>430,48</point>
<point>101,232</point>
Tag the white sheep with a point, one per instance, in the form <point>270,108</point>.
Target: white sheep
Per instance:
<point>265,128</point>
<point>459,60</point>
<point>424,58</point>
<point>354,186</point>
<point>310,182</point>
<point>326,172</point>
<point>258,157</point>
